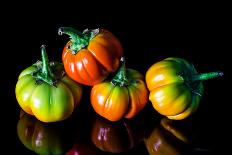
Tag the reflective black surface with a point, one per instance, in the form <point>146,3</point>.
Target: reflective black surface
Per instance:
<point>85,132</point>
<point>198,34</point>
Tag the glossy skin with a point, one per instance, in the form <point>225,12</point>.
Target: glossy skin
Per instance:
<point>171,92</point>
<point>47,102</point>
<point>83,149</point>
<point>40,137</point>
<point>114,137</point>
<point>165,140</point>
<point>114,102</point>
<point>92,64</point>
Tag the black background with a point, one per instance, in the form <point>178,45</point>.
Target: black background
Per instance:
<point>148,32</point>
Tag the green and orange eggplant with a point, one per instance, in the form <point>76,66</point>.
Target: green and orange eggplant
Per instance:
<point>176,87</point>
<point>43,90</point>
<point>125,95</point>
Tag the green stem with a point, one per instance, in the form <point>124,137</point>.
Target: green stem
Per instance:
<point>206,76</point>
<point>121,78</point>
<point>45,74</point>
<point>46,71</point>
<point>73,33</point>
<point>79,39</point>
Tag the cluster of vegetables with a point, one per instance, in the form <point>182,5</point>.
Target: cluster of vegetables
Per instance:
<point>51,90</point>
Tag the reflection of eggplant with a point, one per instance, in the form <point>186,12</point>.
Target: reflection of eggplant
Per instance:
<point>40,137</point>
<point>114,137</point>
<point>165,140</point>
<point>82,149</point>
<point>82,142</point>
